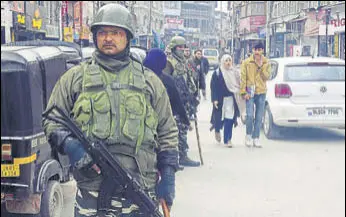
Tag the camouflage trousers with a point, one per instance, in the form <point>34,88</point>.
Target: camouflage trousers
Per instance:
<point>86,206</point>
<point>183,129</point>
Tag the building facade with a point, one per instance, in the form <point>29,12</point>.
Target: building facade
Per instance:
<point>222,28</point>
<point>199,23</point>
<point>250,21</point>
<point>173,24</point>
<point>149,23</point>
<point>300,28</point>
<point>6,22</point>
<point>33,20</point>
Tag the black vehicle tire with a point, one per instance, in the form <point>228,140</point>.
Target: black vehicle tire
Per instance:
<point>271,131</point>
<point>52,202</point>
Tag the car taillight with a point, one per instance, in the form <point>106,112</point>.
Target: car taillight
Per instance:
<point>283,91</point>
<point>6,152</point>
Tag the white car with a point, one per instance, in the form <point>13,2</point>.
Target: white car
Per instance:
<point>213,57</point>
<point>305,92</point>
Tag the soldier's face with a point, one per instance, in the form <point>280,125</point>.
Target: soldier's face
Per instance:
<point>111,40</point>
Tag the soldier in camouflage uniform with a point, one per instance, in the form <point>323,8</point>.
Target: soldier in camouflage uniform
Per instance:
<point>177,66</point>
<point>114,99</point>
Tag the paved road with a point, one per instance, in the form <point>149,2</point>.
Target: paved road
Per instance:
<point>300,175</point>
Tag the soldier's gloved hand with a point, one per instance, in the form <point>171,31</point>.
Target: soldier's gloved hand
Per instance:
<point>76,153</point>
<point>166,186</point>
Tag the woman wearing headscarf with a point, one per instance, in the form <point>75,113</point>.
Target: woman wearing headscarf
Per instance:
<point>225,85</point>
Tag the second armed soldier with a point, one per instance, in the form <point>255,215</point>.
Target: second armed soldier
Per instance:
<point>177,67</point>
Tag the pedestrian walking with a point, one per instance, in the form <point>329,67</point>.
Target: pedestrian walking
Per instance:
<point>113,99</point>
<point>204,65</point>
<point>198,74</point>
<point>255,71</point>
<point>225,86</point>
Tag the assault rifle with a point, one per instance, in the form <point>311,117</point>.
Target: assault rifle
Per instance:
<point>114,173</point>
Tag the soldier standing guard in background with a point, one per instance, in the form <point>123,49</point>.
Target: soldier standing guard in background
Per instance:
<point>178,68</point>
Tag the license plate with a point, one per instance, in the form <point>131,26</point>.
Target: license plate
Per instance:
<point>324,112</point>
<point>10,170</point>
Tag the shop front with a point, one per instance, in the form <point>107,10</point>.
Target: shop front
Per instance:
<point>342,45</point>
<point>52,33</point>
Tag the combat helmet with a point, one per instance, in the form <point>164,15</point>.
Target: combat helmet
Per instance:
<point>176,41</point>
<point>113,15</point>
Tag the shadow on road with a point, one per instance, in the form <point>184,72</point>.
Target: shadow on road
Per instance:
<point>312,134</point>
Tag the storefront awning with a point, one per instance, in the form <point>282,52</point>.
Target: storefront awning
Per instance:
<point>284,19</point>
<point>299,19</point>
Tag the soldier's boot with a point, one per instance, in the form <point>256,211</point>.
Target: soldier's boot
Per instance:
<point>180,168</point>
<point>186,161</point>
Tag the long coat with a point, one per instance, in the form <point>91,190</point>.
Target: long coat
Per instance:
<point>219,90</point>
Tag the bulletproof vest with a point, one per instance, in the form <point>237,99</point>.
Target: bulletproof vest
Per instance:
<point>184,82</point>
<point>179,67</point>
<point>181,70</point>
<point>115,108</point>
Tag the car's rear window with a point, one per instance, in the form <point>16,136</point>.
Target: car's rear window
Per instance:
<point>210,53</point>
<point>315,73</point>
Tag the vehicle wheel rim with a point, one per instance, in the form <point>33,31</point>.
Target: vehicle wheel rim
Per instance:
<point>266,123</point>
<point>55,205</point>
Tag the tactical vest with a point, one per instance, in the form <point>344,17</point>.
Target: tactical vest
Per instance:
<point>181,69</point>
<point>115,108</point>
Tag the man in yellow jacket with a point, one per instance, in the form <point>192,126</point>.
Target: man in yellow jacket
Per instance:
<point>255,71</point>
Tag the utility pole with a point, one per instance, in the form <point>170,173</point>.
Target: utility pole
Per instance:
<point>81,23</point>
<point>59,5</point>
<point>232,29</point>
<point>267,6</point>
<point>221,40</point>
<point>149,26</point>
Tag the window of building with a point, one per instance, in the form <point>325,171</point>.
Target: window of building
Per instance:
<point>49,12</point>
<point>292,7</point>
<point>172,4</point>
<point>281,6</point>
<point>248,9</point>
<point>243,11</point>
<point>257,9</point>
<point>276,10</point>
<point>313,4</point>
<point>40,3</point>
